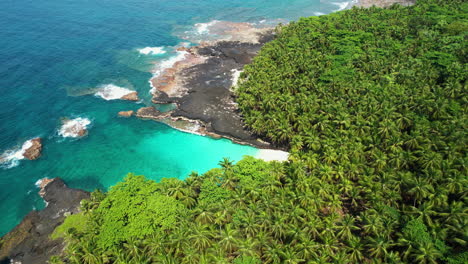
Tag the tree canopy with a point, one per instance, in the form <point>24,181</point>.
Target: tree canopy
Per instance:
<point>372,105</point>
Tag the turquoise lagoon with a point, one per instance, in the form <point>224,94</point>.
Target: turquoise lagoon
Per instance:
<point>53,56</point>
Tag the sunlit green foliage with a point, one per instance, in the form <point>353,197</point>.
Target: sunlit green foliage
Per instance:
<point>73,224</point>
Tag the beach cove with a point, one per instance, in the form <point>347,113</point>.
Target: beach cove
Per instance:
<point>57,57</point>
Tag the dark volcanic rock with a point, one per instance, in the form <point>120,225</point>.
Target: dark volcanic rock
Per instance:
<point>29,241</point>
<point>209,97</point>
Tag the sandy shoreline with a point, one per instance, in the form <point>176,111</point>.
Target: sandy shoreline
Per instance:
<point>272,155</point>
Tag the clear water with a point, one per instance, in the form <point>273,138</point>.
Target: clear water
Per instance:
<point>53,53</point>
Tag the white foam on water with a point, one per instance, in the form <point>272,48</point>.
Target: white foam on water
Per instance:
<point>71,128</point>
<point>203,28</point>
<point>112,92</point>
<point>152,50</point>
<point>340,5</point>
<point>272,155</point>
<point>318,14</point>
<point>11,157</point>
<point>38,183</point>
<point>166,64</point>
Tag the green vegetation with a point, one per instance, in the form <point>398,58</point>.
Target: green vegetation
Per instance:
<point>372,104</point>
<point>72,224</point>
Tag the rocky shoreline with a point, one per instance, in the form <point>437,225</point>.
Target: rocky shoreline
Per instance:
<point>29,241</point>
<point>200,86</point>
<point>383,3</point>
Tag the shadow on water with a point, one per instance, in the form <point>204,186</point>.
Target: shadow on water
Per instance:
<point>87,183</point>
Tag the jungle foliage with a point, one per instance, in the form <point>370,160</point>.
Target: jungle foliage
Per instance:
<point>372,104</point>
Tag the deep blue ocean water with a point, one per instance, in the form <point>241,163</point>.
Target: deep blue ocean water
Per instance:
<point>52,53</point>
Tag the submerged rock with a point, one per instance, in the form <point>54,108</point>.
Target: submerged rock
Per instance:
<point>126,113</point>
<point>34,151</point>
<point>29,241</point>
<point>74,128</point>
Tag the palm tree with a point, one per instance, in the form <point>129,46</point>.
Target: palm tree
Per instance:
<point>346,227</point>
<point>226,163</point>
<point>228,239</point>
<point>426,254</point>
<point>291,256</point>
<point>201,237</point>
<point>419,189</point>
<point>354,249</point>
<point>378,246</point>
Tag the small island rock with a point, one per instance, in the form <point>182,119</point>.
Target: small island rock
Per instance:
<point>34,151</point>
<point>126,113</point>
<point>133,96</point>
<point>148,112</point>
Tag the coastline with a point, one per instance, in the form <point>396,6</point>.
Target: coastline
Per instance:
<point>381,3</point>
<point>29,241</point>
<point>201,79</point>
<point>219,53</point>
<point>200,84</point>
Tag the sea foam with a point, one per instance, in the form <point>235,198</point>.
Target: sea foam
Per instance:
<point>152,51</point>
<point>203,28</point>
<point>38,183</point>
<point>10,158</point>
<point>341,5</point>
<point>166,64</point>
<point>112,92</point>
<point>73,127</point>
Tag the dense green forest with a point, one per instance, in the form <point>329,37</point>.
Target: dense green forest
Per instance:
<point>372,105</point>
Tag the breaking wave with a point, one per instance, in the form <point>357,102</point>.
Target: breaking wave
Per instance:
<point>10,158</point>
<point>152,51</point>
<point>112,92</point>
<point>74,128</point>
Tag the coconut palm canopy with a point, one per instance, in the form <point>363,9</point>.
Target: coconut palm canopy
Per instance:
<point>372,105</point>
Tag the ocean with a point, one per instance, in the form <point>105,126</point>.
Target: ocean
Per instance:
<point>56,57</point>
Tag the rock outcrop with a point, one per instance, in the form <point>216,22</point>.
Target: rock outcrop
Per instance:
<point>34,151</point>
<point>201,84</point>
<point>126,113</point>
<point>133,96</point>
<point>384,3</point>
<point>149,113</point>
<point>29,241</point>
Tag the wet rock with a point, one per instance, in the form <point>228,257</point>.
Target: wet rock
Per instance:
<point>29,241</point>
<point>183,49</point>
<point>148,113</point>
<point>126,113</point>
<point>207,96</point>
<point>34,151</point>
<point>42,184</point>
<point>133,96</point>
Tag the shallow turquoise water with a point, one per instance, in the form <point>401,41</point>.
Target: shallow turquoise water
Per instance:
<point>53,52</point>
